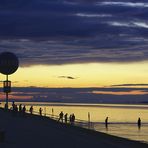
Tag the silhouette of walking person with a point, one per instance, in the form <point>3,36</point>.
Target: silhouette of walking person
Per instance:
<point>139,123</point>
<point>40,111</point>
<point>61,116</point>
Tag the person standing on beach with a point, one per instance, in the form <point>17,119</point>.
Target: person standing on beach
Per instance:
<point>70,119</point>
<point>106,122</point>
<point>16,108</point>
<point>13,105</point>
<point>65,116</point>
<point>73,118</point>
<point>31,109</point>
<point>61,116</point>
<point>20,107</point>
<point>139,122</point>
<point>40,111</point>
<point>24,110</point>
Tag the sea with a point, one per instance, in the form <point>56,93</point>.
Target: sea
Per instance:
<point>122,118</point>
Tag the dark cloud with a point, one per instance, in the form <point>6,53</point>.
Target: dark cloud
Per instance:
<point>74,31</point>
<point>82,95</point>
<point>67,77</point>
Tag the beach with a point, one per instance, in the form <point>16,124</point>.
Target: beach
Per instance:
<point>36,131</point>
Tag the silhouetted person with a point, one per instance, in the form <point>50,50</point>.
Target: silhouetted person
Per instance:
<point>20,108</point>
<point>72,118</point>
<point>61,116</point>
<point>31,110</point>
<point>106,122</point>
<point>24,110</point>
<point>16,108</point>
<point>65,117</point>
<point>13,105</point>
<point>139,123</point>
<point>40,111</point>
<point>6,106</point>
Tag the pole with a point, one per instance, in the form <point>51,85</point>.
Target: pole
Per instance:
<point>89,117</point>
<point>52,113</point>
<point>6,94</point>
<point>44,111</point>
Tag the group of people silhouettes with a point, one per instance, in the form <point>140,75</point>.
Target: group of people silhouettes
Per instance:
<point>15,108</point>
<point>21,109</point>
<point>63,117</point>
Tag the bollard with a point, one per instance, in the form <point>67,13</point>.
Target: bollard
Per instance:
<point>2,136</point>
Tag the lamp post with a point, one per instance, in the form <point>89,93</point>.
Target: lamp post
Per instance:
<point>9,63</point>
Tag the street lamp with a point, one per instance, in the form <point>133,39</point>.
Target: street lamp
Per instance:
<point>9,63</point>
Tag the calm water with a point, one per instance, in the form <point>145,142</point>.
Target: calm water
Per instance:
<point>122,118</point>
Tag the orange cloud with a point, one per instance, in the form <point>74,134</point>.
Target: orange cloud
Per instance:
<point>132,92</point>
<point>3,96</point>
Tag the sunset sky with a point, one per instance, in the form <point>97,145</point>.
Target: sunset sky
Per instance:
<point>81,75</point>
<point>76,43</point>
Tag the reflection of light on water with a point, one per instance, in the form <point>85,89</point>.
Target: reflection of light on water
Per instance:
<point>123,118</point>
<point>130,131</point>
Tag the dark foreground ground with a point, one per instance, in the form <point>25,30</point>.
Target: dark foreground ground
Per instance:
<point>42,132</point>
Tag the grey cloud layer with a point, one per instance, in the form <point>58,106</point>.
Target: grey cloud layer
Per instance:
<point>72,31</point>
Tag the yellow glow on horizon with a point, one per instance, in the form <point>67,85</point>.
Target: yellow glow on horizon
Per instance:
<point>86,75</point>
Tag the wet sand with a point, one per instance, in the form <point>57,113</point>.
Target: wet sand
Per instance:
<point>33,131</point>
